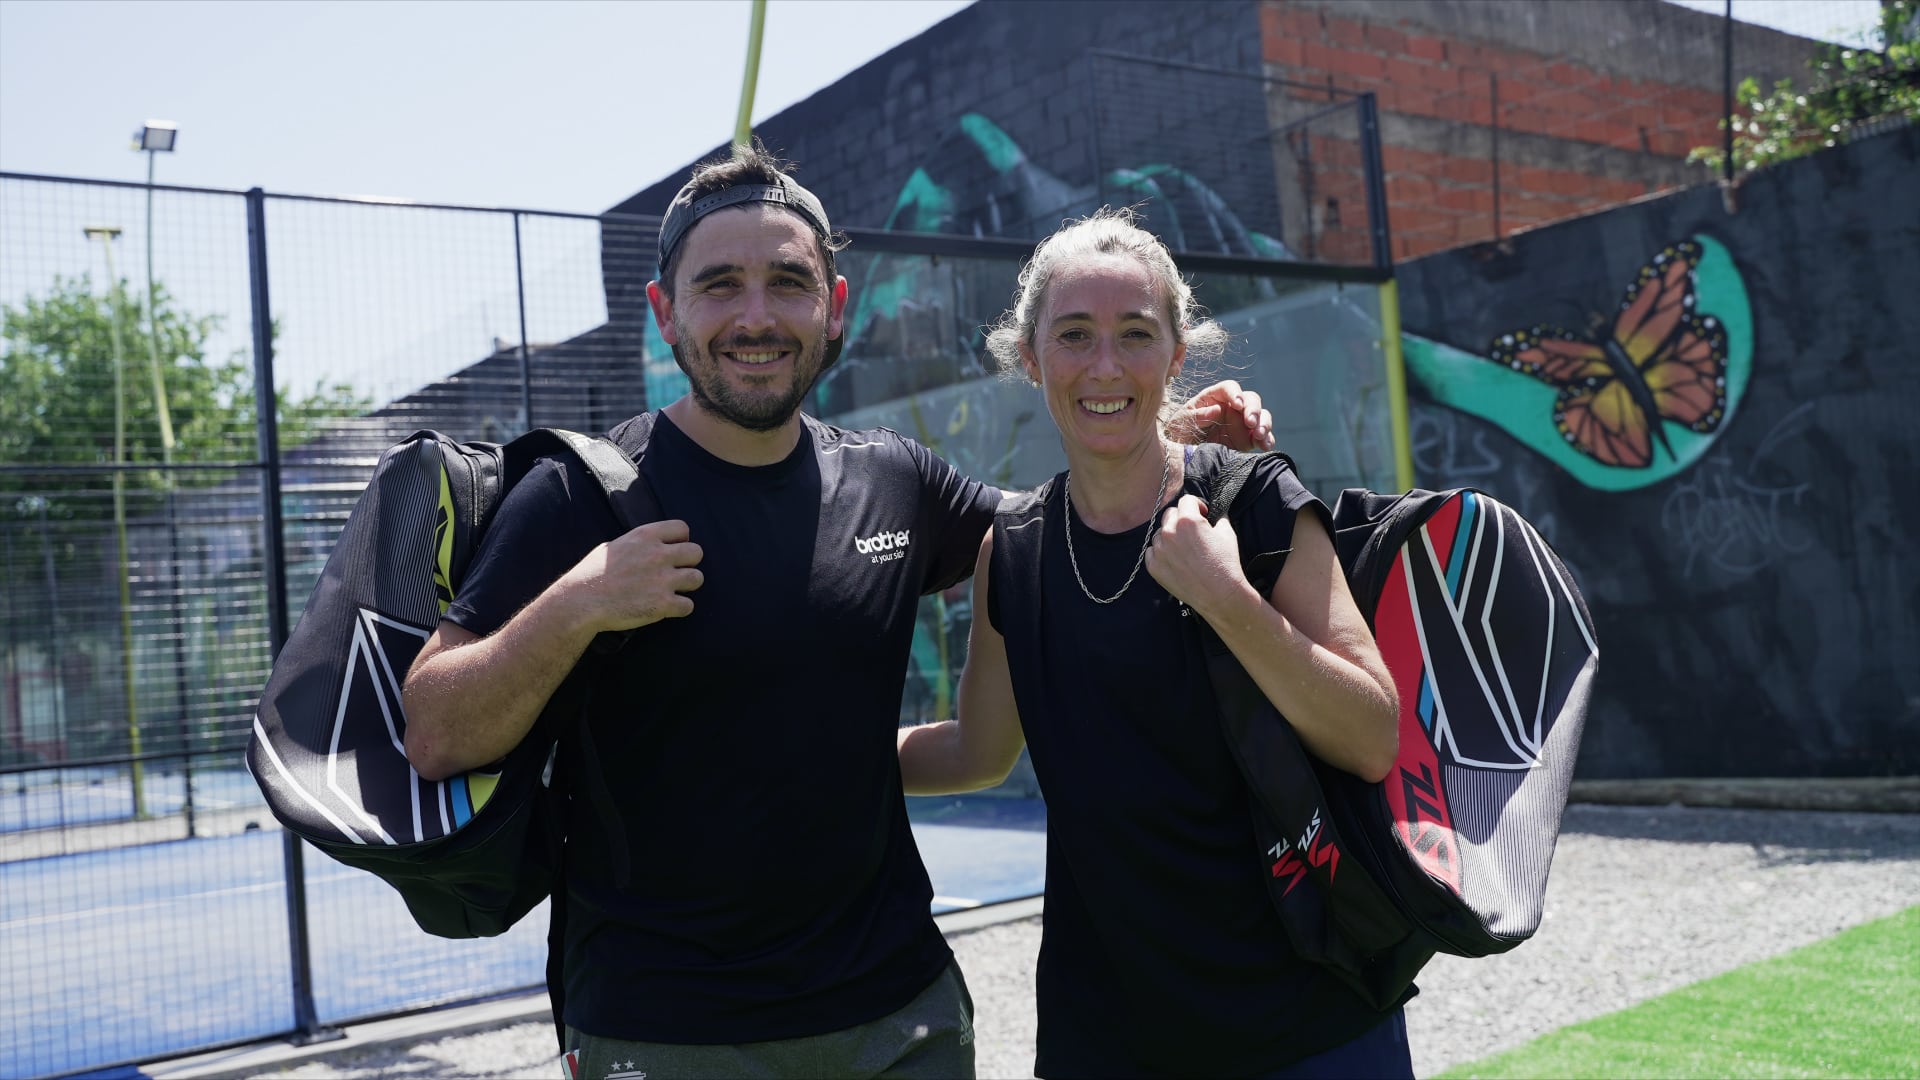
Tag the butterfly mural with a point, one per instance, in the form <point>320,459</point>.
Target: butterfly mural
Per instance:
<point>1638,397</point>
<point>1658,360</point>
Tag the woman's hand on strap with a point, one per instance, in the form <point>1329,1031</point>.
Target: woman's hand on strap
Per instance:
<point>1198,562</point>
<point>1305,643</point>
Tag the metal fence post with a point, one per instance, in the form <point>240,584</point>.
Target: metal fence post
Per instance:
<point>520,291</point>
<point>273,571</point>
<point>1093,127</point>
<point>1726,92</point>
<point>1493,115</point>
<point>1376,182</point>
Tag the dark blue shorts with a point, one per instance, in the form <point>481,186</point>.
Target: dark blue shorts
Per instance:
<point>1380,1054</point>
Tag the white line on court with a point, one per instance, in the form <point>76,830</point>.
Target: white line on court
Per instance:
<point>94,913</point>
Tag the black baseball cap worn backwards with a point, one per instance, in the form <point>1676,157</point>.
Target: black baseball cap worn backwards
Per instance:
<point>686,211</point>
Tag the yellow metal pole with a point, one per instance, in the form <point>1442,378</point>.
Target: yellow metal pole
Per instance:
<point>743,127</point>
<point>107,234</point>
<point>1396,384</point>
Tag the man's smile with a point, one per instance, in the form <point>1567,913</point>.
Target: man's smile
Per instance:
<point>758,355</point>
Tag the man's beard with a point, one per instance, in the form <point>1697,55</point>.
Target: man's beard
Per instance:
<point>754,410</point>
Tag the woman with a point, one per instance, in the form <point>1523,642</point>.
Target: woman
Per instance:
<point>1161,952</point>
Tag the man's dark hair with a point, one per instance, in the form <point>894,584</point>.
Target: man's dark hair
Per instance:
<point>745,165</point>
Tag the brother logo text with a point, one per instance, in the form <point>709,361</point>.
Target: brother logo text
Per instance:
<point>884,547</point>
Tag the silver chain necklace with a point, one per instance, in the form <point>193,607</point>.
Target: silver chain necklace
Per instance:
<point>1166,471</point>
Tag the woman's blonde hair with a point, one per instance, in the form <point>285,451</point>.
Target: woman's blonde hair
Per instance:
<point>1108,231</point>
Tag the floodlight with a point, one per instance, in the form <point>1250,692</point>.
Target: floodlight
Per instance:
<point>157,135</point>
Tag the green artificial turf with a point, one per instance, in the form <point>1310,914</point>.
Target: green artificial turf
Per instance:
<point>1847,1006</point>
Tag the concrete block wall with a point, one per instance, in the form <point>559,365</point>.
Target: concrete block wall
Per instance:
<point>999,121</point>
<point>1023,66</point>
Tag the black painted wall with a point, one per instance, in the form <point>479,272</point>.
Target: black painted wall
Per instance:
<point>1758,606</point>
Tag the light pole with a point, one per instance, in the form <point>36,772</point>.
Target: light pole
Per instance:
<point>107,234</point>
<point>158,137</point>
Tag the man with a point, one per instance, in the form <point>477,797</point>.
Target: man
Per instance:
<point>743,893</point>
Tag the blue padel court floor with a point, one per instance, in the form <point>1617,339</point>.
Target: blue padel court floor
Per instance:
<point>140,952</point>
<point>93,796</point>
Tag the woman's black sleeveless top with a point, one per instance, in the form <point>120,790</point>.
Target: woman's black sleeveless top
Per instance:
<point>1161,952</point>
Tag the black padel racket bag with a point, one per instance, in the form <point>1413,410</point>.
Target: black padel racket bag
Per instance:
<point>473,853</point>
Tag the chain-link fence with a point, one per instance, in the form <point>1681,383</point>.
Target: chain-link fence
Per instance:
<point>1159,125</point>
<point>144,510</point>
<point>1284,182</point>
<point>134,630</point>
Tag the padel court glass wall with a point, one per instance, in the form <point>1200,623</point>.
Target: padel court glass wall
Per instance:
<point>194,387</point>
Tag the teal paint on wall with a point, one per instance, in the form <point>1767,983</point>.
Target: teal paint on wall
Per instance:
<point>923,203</point>
<point>999,148</point>
<point>1524,406</point>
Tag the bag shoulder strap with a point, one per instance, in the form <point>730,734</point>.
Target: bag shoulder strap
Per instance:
<point>614,462</point>
<point>1231,470</point>
<point>1227,484</point>
<point>1284,780</point>
<point>633,434</point>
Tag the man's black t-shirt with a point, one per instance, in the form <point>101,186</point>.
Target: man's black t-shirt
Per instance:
<point>1162,954</point>
<point>771,886</point>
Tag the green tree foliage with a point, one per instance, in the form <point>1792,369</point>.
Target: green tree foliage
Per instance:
<point>1849,88</point>
<point>60,571</point>
<point>57,392</point>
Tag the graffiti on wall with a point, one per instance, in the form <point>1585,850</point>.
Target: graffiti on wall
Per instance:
<point>1734,518</point>
<point>1637,395</point>
<point>1754,576</point>
<point>915,322</point>
<point>978,181</point>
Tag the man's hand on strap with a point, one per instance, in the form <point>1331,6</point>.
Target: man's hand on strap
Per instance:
<point>1225,414</point>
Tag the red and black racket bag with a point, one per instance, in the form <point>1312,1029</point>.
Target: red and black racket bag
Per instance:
<point>1493,655</point>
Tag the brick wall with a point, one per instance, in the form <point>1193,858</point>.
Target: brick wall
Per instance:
<point>1598,103</point>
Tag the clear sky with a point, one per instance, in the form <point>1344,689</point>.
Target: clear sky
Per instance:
<point>1828,20</point>
<point>554,105</point>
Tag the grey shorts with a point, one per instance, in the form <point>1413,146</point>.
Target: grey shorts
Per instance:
<point>930,1037</point>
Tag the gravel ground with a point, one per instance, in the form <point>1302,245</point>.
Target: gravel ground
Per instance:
<point>1642,900</point>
